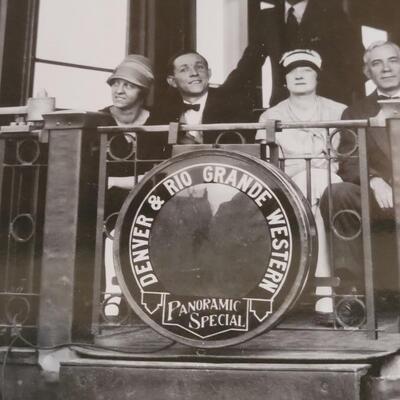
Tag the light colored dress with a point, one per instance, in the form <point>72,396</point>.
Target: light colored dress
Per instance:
<point>297,144</point>
<point>304,142</point>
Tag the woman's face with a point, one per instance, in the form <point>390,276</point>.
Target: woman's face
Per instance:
<point>302,80</point>
<point>125,95</point>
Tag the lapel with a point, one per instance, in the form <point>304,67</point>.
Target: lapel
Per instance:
<point>311,11</point>
<point>372,106</point>
<point>377,137</point>
<point>176,110</point>
<point>168,109</point>
<point>312,22</point>
<point>211,108</point>
<point>273,24</point>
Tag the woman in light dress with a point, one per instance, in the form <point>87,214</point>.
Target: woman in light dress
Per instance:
<point>302,68</point>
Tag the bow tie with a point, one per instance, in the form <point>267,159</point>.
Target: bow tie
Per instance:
<point>383,97</point>
<point>189,106</point>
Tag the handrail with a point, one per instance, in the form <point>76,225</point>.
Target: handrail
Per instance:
<point>14,110</point>
<point>358,123</point>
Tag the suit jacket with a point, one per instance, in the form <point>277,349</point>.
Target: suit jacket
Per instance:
<point>324,28</point>
<point>378,146</point>
<point>220,107</point>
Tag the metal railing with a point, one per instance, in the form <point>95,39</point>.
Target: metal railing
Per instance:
<point>269,151</point>
<point>57,212</point>
<point>23,171</point>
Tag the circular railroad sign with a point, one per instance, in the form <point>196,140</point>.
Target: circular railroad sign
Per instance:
<point>213,247</point>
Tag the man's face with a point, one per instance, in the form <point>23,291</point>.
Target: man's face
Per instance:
<point>302,80</point>
<point>125,95</point>
<point>383,67</point>
<point>191,75</point>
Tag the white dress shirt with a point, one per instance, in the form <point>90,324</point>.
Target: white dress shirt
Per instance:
<point>192,117</point>
<point>380,93</point>
<point>299,10</point>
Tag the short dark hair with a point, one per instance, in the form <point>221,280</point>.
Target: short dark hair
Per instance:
<point>171,60</point>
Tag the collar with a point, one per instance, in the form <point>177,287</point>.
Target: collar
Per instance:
<point>299,9</point>
<point>201,100</point>
<point>140,118</point>
<point>380,93</point>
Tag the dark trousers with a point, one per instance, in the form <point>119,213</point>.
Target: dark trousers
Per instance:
<point>348,253</point>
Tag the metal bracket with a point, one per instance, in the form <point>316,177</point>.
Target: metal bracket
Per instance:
<point>270,134</point>
<point>173,133</point>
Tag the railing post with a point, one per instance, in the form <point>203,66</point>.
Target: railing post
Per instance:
<point>70,227</point>
<point>394,140</point>
<point>366,234</point>
<point>270,134</point>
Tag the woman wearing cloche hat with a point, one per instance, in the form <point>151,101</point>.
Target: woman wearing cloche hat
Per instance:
<point>302,68</point>
<point>130,83</point>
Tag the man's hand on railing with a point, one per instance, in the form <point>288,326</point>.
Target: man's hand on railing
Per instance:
<point>382,191</point>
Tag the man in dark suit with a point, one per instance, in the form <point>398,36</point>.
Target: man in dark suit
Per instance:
<point>192,101</point>
<point>382,66</point>
<point>319,25</point>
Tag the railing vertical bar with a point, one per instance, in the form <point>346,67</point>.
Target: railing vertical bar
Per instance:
<point>136,169</point>
<point>21,248</point>
<point>329,180</point>
<point>308,179</point>
<point>330,205</point>
<point>99,256</point>
<point>263,151</point>
<point>328,157</point>
<point>35,202</point>
<point>274,154</point>
<point>366,232</point>
<point>10,218</point>
<point>394,135</point>
<point>2,156</point>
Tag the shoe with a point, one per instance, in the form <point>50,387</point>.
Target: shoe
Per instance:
<point>324,304</point>
<point>327,319</point>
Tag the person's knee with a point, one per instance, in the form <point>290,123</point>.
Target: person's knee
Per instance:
<point>329,193</point>
<point>340,196</point>
<point>343,195</point>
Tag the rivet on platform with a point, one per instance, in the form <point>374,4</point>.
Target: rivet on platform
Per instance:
<point>324,387</point>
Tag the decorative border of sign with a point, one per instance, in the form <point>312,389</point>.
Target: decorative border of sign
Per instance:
<point>208,321</point>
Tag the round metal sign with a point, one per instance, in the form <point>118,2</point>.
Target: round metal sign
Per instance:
<point>213,247</point>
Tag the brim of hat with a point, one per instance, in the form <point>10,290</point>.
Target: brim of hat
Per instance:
<point>118,76</point>
<point>301,63</point>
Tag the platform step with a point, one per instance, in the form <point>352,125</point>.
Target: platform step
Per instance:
<point>88,379</point>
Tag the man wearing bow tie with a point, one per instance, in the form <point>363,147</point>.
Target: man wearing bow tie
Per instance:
<point>320,25</point>
<point>382,66</point>
<point>194,102</point>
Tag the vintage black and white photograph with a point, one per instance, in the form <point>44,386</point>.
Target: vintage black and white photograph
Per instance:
<point>199,199</point>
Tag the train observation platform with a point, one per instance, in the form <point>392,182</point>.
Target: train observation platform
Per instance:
<point>323,362</point>
<point>235,329</point>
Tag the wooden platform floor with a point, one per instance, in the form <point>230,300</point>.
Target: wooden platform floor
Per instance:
<point>297,338</point>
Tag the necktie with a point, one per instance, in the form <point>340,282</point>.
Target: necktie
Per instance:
<point>383,97</point>
<point>292,30</point>
<point>189,106</point>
